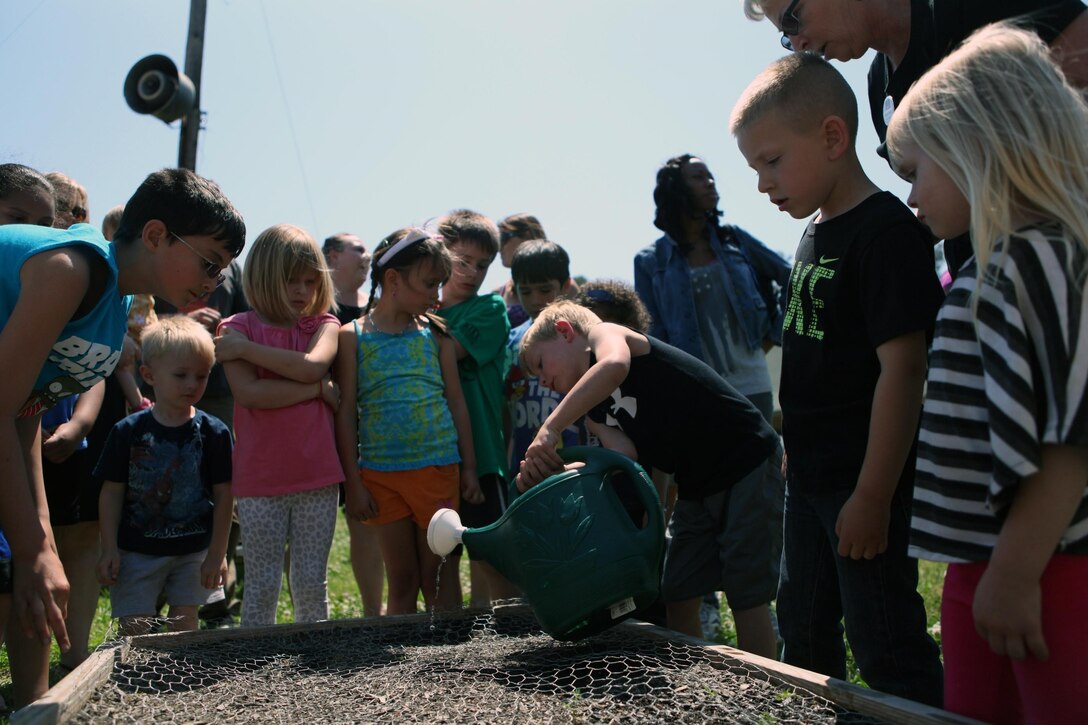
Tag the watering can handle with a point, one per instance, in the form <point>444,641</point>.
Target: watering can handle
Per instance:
<point>601,460</point>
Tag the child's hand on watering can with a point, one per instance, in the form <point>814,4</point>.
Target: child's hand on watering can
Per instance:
<point>541,459</point>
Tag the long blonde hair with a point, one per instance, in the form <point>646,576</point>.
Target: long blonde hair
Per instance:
<point>277,253</point>
<point>1001,120</point>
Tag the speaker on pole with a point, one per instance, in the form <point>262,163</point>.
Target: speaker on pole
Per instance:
<point>155,86</point>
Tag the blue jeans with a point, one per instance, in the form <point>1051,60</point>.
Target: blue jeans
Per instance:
<point>878,599</point>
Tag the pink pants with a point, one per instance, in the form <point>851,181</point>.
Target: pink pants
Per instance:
<point>996,689</point>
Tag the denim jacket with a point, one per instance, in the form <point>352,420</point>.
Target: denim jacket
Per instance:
<point>755,280</point>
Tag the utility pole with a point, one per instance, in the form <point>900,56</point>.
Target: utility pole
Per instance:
<point>194,59</point>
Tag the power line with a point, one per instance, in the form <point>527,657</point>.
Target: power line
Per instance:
<point>15,30</point>
<point>290,123</point>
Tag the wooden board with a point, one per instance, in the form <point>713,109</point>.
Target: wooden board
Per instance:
<point>69,696</point>
<point>873,703</point>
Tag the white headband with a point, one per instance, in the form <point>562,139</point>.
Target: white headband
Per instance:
<point>415,234</point>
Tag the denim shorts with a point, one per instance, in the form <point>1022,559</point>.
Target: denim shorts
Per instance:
<point>729,542</point>
<point>143,577</point>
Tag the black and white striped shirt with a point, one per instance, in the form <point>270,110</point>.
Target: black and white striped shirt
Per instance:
<point>998,390</point>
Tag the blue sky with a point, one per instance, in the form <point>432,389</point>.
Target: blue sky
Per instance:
<point>368,116</point>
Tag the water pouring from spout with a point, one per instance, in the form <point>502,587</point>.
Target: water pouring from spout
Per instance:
<point>444,532</point>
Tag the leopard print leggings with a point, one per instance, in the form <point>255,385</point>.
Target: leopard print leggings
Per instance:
<point>306,520</point>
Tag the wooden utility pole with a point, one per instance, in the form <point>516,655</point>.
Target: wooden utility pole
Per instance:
<point>194,59</point>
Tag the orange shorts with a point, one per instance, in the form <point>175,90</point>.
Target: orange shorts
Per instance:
<point>416,494</point>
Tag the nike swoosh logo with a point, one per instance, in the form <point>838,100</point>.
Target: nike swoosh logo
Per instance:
<point>828,260</point>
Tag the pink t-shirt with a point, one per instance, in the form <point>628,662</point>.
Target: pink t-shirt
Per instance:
<point>283,450</point>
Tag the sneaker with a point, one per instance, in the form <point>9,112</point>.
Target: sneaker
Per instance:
<point>710,617</point>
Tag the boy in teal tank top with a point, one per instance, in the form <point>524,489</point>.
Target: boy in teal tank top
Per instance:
<point>64,297</point>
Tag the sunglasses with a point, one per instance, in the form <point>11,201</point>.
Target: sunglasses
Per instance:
<point>789,24</point>
<point>213,270</point>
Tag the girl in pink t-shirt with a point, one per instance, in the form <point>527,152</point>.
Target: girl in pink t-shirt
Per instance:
<point>286,472</point>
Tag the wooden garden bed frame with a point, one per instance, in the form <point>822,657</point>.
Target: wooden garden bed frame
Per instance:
<point>68,696</point>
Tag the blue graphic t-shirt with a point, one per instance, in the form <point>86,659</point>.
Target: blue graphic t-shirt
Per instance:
<point>530,405</point>
<point>87,349</point>
<point>168,474</point>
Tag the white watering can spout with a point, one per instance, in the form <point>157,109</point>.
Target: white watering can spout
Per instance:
<point>444,531</point>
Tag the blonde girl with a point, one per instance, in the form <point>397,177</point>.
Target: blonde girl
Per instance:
<point>995,142</point>
<point>401,442</point>
<point>277,358</point>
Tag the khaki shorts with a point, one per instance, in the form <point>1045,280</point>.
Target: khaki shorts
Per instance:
<point>144,576</point>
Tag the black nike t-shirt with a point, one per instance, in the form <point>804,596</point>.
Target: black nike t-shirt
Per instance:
<point>859,280</point>
<point>686,420</point>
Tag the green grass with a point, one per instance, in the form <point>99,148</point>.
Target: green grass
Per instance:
<point>930,584</point>
<point>345,603</point>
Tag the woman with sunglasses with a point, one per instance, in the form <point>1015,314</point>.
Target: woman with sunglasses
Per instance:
<point>71,200</point>
<point>712,290</point>
<point>911,36</point>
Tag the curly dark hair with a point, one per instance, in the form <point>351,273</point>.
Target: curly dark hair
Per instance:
<point>673,200</point>
<point>615,301</point>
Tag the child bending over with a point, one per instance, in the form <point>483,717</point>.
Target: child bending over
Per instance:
<point>651,402</point>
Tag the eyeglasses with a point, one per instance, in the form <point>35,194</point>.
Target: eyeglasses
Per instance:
<point>790,24</point>
<point>213,270</point>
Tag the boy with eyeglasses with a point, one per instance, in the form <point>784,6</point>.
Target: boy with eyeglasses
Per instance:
<point>479,327</point>
<point>863,298</point>
<point>64,299</point>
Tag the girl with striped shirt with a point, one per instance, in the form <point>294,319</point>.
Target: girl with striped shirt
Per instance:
<point>994,141</point>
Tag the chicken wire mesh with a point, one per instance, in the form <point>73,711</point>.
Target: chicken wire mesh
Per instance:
<point>468,668</point>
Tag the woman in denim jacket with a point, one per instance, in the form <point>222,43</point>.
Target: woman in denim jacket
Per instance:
<point>716,292</point>
<point>748,283</point>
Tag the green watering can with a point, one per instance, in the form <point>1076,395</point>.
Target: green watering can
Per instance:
<point>585,545</point>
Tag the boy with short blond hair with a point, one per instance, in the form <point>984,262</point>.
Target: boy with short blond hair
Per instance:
<point>628,385</point>
<point>863,298</point>
<point>165,507</point>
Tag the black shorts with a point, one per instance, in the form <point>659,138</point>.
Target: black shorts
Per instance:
<point>5,576</point>
<point>476,515</point>
<point>70,491</point>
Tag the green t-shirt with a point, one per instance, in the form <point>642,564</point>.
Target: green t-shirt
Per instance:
<point>481,326</point>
